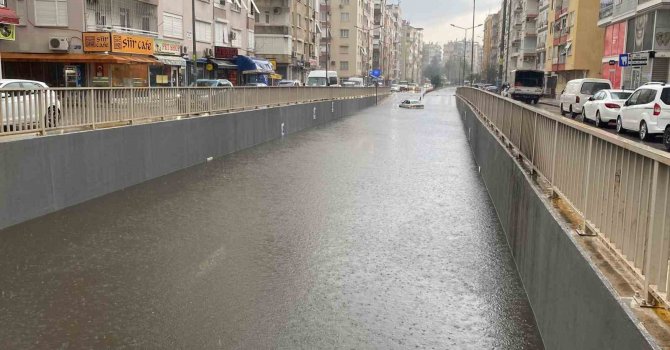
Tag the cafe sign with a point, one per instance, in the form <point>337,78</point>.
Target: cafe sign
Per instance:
<point>118,43</point>
<point>225,52</point>
<point>165,47</point>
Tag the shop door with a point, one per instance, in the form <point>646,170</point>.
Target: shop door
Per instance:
<point>174,77</point>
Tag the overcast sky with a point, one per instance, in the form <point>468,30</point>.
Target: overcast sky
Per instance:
<point>435,16</point>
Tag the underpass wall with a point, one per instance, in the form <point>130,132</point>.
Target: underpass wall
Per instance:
<point>574,305</point>
<point>45,174</point>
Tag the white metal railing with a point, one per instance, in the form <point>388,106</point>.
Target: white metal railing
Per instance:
<point>620,188</point>
<point>63,109</point>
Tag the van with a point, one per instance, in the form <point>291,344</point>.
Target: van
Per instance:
<point>578,91</point>
<point>318,78</point>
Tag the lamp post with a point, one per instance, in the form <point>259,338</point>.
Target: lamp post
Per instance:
<point>327,41</point>
<point>465,45</point>
<point>472,54</point>
<point>194,70</point>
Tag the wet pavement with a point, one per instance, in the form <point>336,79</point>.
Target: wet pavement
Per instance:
<point>371,232</point>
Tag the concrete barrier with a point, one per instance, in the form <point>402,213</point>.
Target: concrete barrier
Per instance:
<point>45,174</point>
<point>575,307</point>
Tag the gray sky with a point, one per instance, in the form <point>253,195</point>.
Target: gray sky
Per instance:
<point>435,16</point>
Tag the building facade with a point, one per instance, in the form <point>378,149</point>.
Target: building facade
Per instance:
<point>490,48</point>
<point>393,30</point>
<point>288,33</point>
<point>523,35</point>
<point>411,53</point>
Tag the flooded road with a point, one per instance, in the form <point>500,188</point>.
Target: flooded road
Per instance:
<point>372,232</point>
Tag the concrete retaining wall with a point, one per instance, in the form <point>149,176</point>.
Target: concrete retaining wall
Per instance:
<point>42,175</point>
<point>574,306</point>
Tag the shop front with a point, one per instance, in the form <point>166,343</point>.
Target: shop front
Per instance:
<point>172,70</point>
<point>648,49</point>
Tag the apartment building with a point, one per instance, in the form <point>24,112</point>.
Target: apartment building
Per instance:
<point>288,33</point>
<point>114,43</point>
<point>411,53</point>
<point>575,43</point>
<point>523,35</point>
<point>393,30</point>
<point>432,53</point>
<point>491,48</point>
<point>640,29</point>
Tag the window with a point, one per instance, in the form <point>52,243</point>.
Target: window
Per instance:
<point>344,33</point>
<point>267,17</point>
<point>647,96</point>
<point>220,34</point>
<point>237,38</point>
<point>203,32</point>
<point>344,2</point>
<point>344,65</point>
<point>100,19</point>
<point>344,16</point>
<point>633,99</point>
<point>146,23</point>
<point>235,6</point>
<point>172,26</point>
<point>665,96</point>
<point>251,41</point>
<point>344,49</point>
<point>124,17</point>
<point>590,88</point>
<point>51,13</point>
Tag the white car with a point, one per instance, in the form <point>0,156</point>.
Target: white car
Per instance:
<point>578,91</point>
<point>411,104</point>
<point>289,83</point>
<point>25,103</point>
<point>647,112</point>
<point>604,106</point>
<point>395,88</point>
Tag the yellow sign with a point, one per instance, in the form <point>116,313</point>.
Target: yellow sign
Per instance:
<point>274,64</point>
<point>96,42</point>
<point>124,43</point>
<point>209,67</point>
<point>7,32</point>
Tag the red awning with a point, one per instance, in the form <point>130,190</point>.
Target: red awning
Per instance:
<point>8,16</point>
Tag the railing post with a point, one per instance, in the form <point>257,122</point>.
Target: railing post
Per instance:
<point>532,160</point>
<point>651,240</point>
<point>210,95</point>
<point>90,117</point>
<point>587,184</point>
<point>553,155</point>
<point>132,105</point>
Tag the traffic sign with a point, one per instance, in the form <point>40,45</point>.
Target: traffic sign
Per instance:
<point>638,59</point>
<point>623,60</point>
<point>376,73</point>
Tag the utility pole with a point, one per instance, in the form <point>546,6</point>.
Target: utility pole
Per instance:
<point>509,36</point>
<point>194,71</point>
<point>327,41</point>
<point>502,43</point>
<point>465,50</point>
<point>472,57</point>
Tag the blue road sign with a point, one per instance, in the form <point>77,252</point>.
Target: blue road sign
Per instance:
<point>623,60</point>
<point>376,73</point>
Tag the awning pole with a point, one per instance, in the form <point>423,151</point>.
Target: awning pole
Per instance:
<point>0,65</point>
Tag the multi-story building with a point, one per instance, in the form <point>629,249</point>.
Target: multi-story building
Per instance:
<point>433,53</point>
<point>490,48</point>
<point>575,46</point>
<point>393,29</point>
<point>287,33</point>
<point>543,32</point>
<point>523,35</point>
<point>125,42</point>
<point>348,43</point>
<point>411,53</point>
<point>639,28</point>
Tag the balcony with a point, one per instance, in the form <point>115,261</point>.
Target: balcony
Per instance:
<point>606,9</point>
<point>129,16</point>
<point>273,30</point>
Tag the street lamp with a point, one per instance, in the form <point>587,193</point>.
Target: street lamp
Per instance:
<point>465,45</point>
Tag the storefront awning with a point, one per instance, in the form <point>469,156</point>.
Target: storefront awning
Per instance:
<point>171,60</point>
<point>8,16</point>
<point>76,58</point>
<point>252,65</point>
<point>223,64</point>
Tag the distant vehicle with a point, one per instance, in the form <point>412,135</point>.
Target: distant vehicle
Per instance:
<point>395,88</point>
<point>356,81</point>
<point>411,104</point>
<point>287,83</point>
<point>256,85</point>
<point>527,85</point>
<point>491,88</point>
<point>578,91</point>
<point>318,78</point>
<point>605,106</point>
<point>404,86</point>
<point>212,83</point>
<point>413,87</point>
<point>647,111</point>
<point>25,109</point>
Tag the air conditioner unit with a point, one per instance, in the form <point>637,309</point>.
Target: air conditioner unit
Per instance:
<point>232,36</point>
<point>59,44</point>
<point>209,52</point>
<point>184,50</point>
<point>277,11</point>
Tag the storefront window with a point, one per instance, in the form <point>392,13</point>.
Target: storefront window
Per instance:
<point>133,75</point>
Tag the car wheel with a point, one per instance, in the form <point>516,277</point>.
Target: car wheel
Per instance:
<point>619,125</point>
<point>52,118</point>
<point>572,114</point>
<point>644,132</point>
<point>562,110</point>
<point>666,138</point>
<point>599,122</point>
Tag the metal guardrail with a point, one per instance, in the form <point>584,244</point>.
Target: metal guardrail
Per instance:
<point>620,188</point>
<point>61,109</point>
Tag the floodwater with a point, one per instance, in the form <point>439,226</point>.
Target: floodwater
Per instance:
<point>371,232</point>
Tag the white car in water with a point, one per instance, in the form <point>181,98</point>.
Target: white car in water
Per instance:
<point>411,104</point>
<point>604,106</point>
<point>25,103</point>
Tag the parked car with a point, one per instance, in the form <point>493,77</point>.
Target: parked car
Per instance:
<point>256,85</point>
<point>25,102</point>
<point>411,104</point>
<point>578,91</point>
<point>604,106</point>
<point>647,112</point>
<point>395,88</point>
<point>212,83</point>
<point>492,88</point>
<point>289,83</point>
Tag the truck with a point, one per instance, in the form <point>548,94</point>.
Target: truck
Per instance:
<point>318,78</point>
<point>527,85</point>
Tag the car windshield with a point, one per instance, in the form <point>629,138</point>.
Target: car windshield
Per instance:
<point>590,88</point>
<point>286,82</point>
<point>316,81</point>
<point>620,95</point>
<point>205,83</point>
